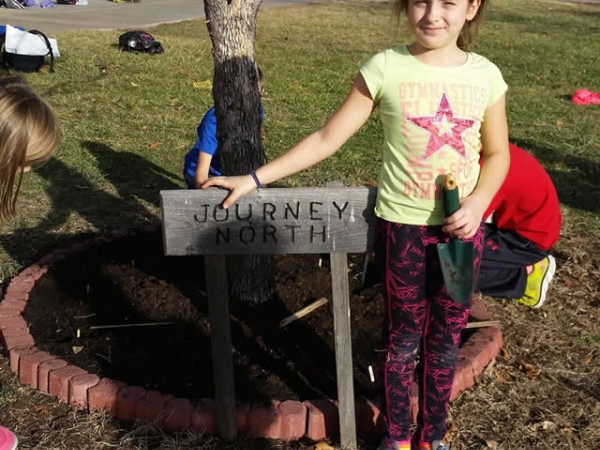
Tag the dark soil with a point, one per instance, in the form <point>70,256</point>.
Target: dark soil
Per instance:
<point>129,281</point>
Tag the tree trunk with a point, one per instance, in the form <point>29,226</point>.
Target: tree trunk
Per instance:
<point>232,28</point>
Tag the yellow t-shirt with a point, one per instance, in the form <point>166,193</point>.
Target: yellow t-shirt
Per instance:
<point>431,126</point>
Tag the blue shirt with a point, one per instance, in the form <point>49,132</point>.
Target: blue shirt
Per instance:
<point>206,143</point>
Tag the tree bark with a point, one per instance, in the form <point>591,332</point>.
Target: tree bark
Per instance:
<point>232,28</point>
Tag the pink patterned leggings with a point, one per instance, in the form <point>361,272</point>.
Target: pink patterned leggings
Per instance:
<point>422,320</point>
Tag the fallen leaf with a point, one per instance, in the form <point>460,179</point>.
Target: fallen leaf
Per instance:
<point>206,84</point>
<point>500,376</point>
<point>40,409</point>
<point>154,145</point>
<point>530,370</point>
<point>588,359</point>
<point>322,446</point>
<point>77,349</point>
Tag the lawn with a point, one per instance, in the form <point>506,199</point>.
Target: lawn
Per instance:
<point>127,120</point>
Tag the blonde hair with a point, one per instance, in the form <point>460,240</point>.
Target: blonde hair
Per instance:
<point>28,137</point>
<point>468,31</point>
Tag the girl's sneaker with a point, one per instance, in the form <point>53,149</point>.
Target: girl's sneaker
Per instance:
<point>8,441</point>
<point>435,445</point>
<point>390,444</point>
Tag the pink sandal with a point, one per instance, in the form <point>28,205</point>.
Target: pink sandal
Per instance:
<point>8,441</point>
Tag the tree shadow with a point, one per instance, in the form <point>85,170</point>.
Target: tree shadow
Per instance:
<point>144,179</point>
<point>577,184</point>
<point>71,192</point>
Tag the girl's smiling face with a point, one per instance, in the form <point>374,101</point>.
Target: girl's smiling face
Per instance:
<point>436,24</point>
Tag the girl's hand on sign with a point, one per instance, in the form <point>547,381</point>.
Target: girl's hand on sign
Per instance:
<point>238,187</point>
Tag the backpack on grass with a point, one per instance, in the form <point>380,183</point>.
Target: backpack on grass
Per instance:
<point>13,58</point>
<point>139,41</point>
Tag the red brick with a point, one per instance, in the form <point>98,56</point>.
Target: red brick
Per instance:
<point>44,370</point>
<point>241,418</point>
<point>478,310</point>
<point>8,311</point>
<point>16,300</point>
<point>29,365</point>
<point>58,381</point>
<point>293,420</point>
<point>151,407</point>
<point>264,420</point>
<point>493,338</point>
<point>81,246</point>
<point>18,328</point>
<point>49,260</point>
<point>15,354</point>
<point>104,396</point>
<point>20,285</point>
<point>127,399</point>
<point>178,414</point>
<point>21,340</point>
<point>323,420</point>
<point>34,271</point>
<point>203,418</point>
<point>79,386</point>
<point>466,377</point>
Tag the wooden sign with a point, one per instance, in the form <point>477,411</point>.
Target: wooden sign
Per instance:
<point>334,220</point>
<point>275,220</point>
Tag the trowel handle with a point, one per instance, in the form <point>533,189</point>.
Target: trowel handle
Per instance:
<point>450,196</point>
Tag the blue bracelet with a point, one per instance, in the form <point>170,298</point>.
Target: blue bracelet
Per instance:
<point>256,180</point>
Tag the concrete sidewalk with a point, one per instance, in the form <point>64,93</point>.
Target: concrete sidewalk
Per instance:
<point>108,15</point>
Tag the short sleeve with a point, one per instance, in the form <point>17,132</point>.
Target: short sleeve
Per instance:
<point>373,74</point>
<point>498,86</point>
<point>207,133</point>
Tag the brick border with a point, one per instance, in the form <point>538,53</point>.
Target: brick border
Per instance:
<point>315,419</point>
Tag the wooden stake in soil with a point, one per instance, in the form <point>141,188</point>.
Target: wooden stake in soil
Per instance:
<point>303,312</point>
<point>129,325</point>
<point>483,324</point>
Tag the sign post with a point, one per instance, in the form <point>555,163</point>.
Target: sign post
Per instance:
<point>335,220</point>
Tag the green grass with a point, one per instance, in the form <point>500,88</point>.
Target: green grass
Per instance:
<point>127,120</point>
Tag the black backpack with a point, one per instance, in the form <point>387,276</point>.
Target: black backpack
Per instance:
<point>26,63</point>
<point>138,41</point>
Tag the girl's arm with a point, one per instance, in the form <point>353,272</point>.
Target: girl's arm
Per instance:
<point>496,158</point>
<point>350,116</point>
<point>203,167</point>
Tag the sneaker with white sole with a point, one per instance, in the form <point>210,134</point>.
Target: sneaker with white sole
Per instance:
<point>8,441</point>
<point>538,282</point>
<point>390,444</point>
<point>435,445</point>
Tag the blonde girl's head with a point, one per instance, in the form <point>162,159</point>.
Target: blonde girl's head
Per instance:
<point>28,137</point>
<point>468,31</point>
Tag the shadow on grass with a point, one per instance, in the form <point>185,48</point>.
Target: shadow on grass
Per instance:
<point>137,183</point>
<point>577,185</point>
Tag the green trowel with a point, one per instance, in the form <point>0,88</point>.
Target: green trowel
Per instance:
<point>456,257</point>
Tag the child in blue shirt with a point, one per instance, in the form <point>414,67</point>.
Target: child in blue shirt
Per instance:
<point>203,160</point>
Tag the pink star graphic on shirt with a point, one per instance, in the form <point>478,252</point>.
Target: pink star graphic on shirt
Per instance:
<point>445,129</point>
